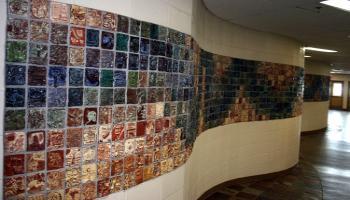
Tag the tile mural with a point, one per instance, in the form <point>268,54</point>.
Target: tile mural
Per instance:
<point>97,102</point>
<point>316,88</point>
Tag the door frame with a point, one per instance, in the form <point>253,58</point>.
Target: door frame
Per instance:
<point>342,94</point>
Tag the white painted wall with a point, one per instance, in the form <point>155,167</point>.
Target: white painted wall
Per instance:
<point>315,114</point>
<point>225,152</point>
<point>345,78</point>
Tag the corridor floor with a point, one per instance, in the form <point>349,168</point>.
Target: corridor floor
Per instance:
<point>322,173</point>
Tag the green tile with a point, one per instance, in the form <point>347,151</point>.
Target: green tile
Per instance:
<point>122,42</point>
<point>16,51</point>
<point>132,79</point>
<point>14,120</point>
<point>106,78</point>
<point>56,118</point>
<point>90,96</point>
<point>106,97</point>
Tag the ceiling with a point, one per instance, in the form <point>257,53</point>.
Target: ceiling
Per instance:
<point>307,21</point>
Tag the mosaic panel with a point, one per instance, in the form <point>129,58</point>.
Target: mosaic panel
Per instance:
<point>98,102</point>
<point>316,88</point>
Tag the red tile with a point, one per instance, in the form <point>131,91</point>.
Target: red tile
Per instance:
<point>14,164</point>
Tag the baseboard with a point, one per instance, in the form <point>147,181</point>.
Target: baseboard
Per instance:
<point>319,131</point>
<point>245,180</point>
<point>341,109</point>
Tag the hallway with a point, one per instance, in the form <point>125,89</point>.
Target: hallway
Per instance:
<point>323,156</point>
<point>329,153</point>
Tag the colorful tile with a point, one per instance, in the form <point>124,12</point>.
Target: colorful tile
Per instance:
<point>56,118</point>
<point>106,97</point>
<point>55,139</point>
<point>59,12</point>
<point>73,157</point>
<point>106,78</point>
<point>93,58</point>
<point>75,97</point>
<point>109,21</point>
<point>39,31</point>
<point>119,79</point>
<point>14,187</point>
<point>58,55</point>
<point>36,119</point>
<point>89,190</point>
<point>38,54</point>
<point>36,141</point>
<point>92,38</point>
<point>76,77</point>
<point>14,164</point>
<point>35,162</point>
<point>123,24</point>
<point>107,40</point>
<point>91,77</point>
<point>55,179</point>
<point>76,56</point>
<point>73,177</point>
<point>16,51</point>
<point>17,29</point>
<point>132,78</point>
<point>104,134</point>
<point>14,142</point>
<point>59,33</point>
<point>119,96</point>
<point>74,137</point>
<point>36,183</point>
<point>90,96</point>
<point>122,42</point>
<point>74,117</point>
<point>40,9</point>
<point>121,60</point>
<point>15,97</point>
<point>107,59</point>
<point>93,18</point>
<point>57,97</point>
<point>18,7</point>
<point>78,15</point>
<point>90,116</point>
<point>57,76</point>
<point>37,97</point>
<point>77,36</point>
<point>15,74</point>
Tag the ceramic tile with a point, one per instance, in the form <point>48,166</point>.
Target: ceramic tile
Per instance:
<point>36,183</point>
<point>106,97</point>
<point>76,56</point>
<point>107,59</point>
<point>37,76</point>
<point>59,12</point>
<point>89,190</point>
<point>57,97</point>
<point>36,119</point>
<point>58,55</point>
<point>74,137</point>
<point>38,54</point>
<point>40,9</point>
<point>92,38</point>
<point>88,172</point>
<point>15,75</point>
<point>106,78</point>
<point>92,58</point>
<point>90,135</point>
<point>17,29</point>
<point>91,77</point>
<point>107,40</point>
<point>122,42</point>
<point>78,15</point>
<point>16,51</point>
<point>39,31</point>
<point>121,60</point>
<point>74,117</point>
<point>104,133</point>
<point>55,139</point>
<point>90,116</point>
<point>75,97</point>
<point>133,61</point>
<point>109,21</point>
<point>36,97</point>
<point>18,7</point>
<point>56,118</point>
<point>76,77</point>
<point>35,162</point>
<point>77,36</point>
<point>15,97</point>
<point>119,78</point>
<point>73,157</point>
<point>93,18</point>
<point>73,177</point>
<point>14,164</point>
<point>73,193</point>
<point>14,186</point>
<point>14,142</point>
<point>90,96</point>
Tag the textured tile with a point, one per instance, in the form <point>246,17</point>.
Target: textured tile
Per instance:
<point>16,51</point>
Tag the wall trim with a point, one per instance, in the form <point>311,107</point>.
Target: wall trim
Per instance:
<point>245,180</point>
<point>318,131</point>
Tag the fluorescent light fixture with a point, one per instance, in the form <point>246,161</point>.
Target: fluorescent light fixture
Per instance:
<point>340,4</point>
<point>320,50</point>
<point>307,56</point>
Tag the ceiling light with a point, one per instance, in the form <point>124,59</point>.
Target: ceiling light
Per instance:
<point>307,56</point>
<point>341,4</point>
<point>320,50</point>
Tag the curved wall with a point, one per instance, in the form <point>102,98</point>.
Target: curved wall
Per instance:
<point>316,96</point>
<point>234,150</point>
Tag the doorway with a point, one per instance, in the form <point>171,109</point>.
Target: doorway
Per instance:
<point>337,93</point>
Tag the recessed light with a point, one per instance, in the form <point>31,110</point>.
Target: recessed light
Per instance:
<point>320,50</point>
<point>340,4</point>
<point>307,56</point>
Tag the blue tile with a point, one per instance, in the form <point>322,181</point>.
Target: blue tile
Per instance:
<point>75,96</point>
<point>121,60</point>
<point>133,61</point>
<point>76,76</point>
<point>57,97</point>
<point>57,76</point>
<point>91,77</point>
<point>92,38</point>
<point>15,97</point>
<point>119,79</point>
<point>15,75</point>
<point>107,40</point>
<point>37,97</point>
